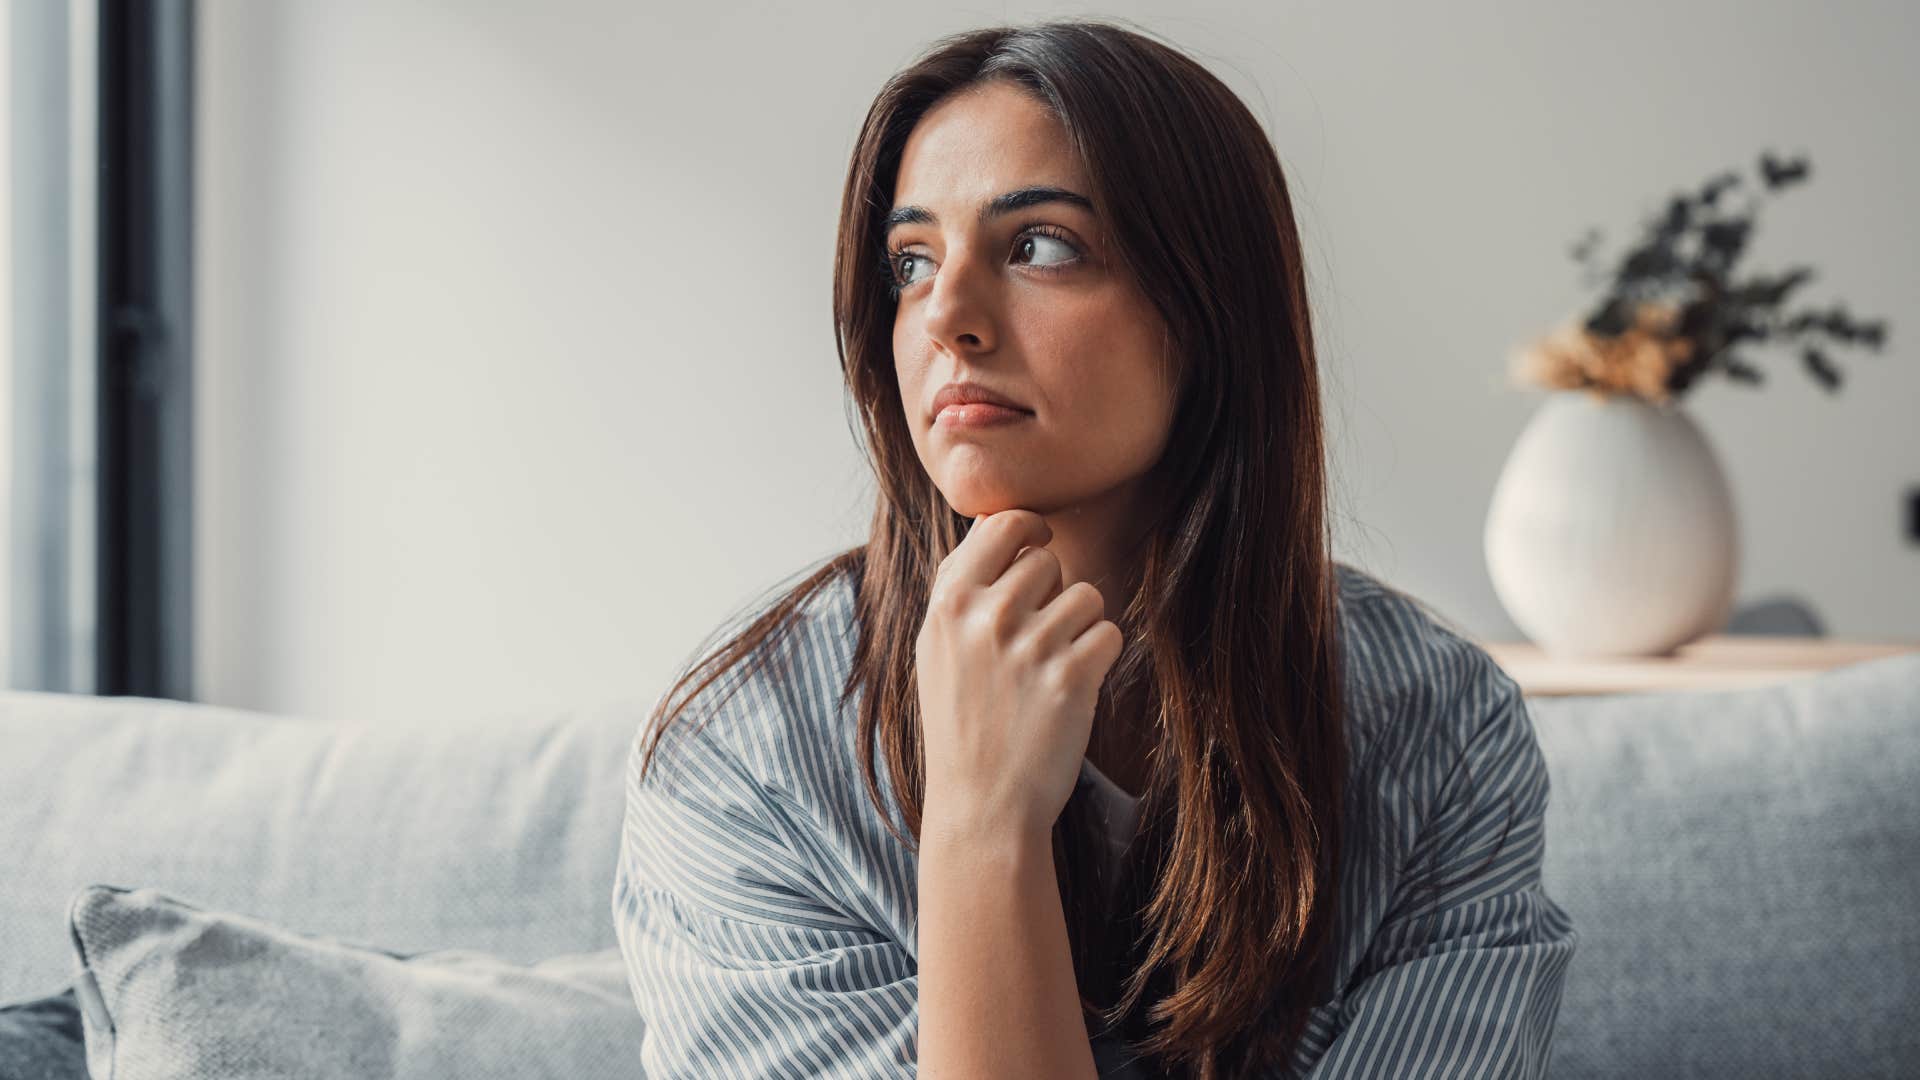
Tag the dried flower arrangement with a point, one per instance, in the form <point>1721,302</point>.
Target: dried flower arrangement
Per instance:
<point>1672,311</point>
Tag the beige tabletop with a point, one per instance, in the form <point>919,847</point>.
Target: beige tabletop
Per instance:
<point>1712,663</point>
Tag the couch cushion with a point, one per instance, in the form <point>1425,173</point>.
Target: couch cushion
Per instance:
<point>496,833</point>
<point>1741,867</point>
<point>169,990</point>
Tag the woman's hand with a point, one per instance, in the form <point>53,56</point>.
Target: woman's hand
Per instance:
<point>1009,667</point>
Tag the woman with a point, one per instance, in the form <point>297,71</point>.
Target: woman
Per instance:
<point>1091,758</point>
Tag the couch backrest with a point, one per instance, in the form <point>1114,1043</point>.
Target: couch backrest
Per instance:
<point>494,833</point>
<point>1741,867</point>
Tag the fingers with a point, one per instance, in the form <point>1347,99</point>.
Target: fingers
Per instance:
<point>1069,615</point>
<point>1034,579</point>
<point>1097,648</point>
<point>989,547</point>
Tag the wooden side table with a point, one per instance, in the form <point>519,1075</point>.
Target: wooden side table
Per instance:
<point>1715,662</point>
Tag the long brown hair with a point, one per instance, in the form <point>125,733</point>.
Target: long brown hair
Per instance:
<point>1219,941</point>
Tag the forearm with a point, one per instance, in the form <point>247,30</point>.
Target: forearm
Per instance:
<point>997,990</point>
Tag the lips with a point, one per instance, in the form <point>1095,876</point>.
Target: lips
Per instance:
<point>967,393</point>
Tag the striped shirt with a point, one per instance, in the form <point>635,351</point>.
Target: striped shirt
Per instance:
<point>767,917</point>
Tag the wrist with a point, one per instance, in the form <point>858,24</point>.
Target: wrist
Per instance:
<point>952,829</point>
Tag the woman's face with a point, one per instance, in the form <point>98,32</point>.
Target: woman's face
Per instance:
<point>1025,301</point>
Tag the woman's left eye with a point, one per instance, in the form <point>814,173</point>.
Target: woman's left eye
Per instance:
<point>1035,245</point>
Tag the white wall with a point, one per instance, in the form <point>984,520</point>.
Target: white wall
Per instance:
<point>6,340</point>
<point>518,367</point>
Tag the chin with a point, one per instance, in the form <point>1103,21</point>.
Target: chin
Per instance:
<point>982,487</point>
<point>972,503</point>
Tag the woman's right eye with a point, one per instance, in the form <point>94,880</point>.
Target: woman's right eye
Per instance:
<point>902,265</point>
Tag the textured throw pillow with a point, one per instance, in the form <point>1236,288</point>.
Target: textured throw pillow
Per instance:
<point>169,989</point>
<point>40,1039</point>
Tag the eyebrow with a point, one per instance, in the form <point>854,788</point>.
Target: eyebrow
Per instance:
<point>998,206</point>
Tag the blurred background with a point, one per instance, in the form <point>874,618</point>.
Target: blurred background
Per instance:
<point>400,359</point>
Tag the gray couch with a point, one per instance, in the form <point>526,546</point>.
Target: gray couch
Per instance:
<point>1742,866</point>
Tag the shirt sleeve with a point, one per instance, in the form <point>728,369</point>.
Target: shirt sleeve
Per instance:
<point>741,963</point>
<point>1466,982</point>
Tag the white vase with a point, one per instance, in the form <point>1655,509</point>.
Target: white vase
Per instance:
<point>1612,530</point>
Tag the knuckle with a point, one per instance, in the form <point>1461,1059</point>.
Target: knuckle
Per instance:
<point>1025,651</point>
<point>1002,617</point>
<point>970,623</point>
<point>937,600</point>
<point>1059,681</point>
<point>947,601</point>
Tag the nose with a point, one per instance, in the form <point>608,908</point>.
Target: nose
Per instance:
<point>960,309</point>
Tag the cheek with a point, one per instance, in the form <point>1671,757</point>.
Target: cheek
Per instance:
<point>906,375</point>
<point>910,379</point>
<point>1104,356</point>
